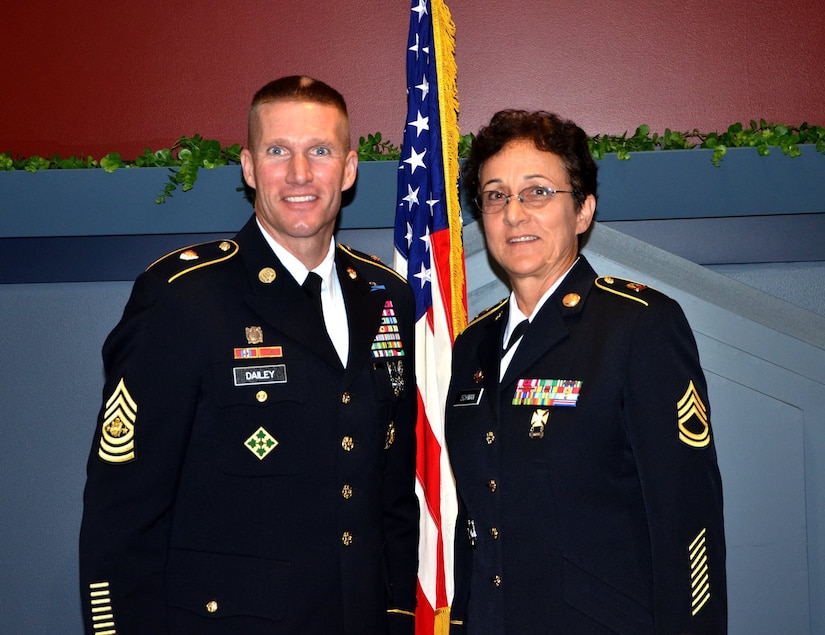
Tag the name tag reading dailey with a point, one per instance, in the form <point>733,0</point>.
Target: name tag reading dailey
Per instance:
<point>256,375</point>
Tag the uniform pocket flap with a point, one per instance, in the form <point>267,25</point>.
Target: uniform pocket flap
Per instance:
<point>220,585</point>
<point>604,602</point>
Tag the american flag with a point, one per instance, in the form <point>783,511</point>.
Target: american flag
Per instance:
<point>429,252</point>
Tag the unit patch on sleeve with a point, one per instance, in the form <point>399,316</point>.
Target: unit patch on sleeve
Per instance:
<point>117,438</point>
<point>691,411</point>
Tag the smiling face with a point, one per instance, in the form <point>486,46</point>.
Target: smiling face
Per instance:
<point>299,162</point>
<point>534,247</point>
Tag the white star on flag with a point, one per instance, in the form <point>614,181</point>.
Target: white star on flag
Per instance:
<point>412,196</point>
<point>420,124</point>
<point>416,160</point>
<point>425,275</point>
<point>424,87</point>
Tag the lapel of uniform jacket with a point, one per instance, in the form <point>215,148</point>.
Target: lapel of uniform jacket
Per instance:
<point>489,351</point>
<point>365,304</point>
<point>549,327</point>
<point>280,301</point>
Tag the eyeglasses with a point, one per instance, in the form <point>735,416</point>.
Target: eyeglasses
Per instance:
<point>533,197</point>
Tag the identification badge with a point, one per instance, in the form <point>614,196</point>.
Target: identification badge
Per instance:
<point>258,375</point>
<point>470,397</point>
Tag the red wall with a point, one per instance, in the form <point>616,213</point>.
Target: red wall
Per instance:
<point>95,76</point>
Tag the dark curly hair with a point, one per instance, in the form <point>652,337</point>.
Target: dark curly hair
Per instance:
<point>549,133</point>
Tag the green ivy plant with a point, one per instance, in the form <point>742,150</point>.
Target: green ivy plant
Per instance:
<point>185,158</point>
<point>763,136</point>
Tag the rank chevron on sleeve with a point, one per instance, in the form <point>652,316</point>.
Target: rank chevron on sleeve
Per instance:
<point>117,438</point>
<point>688,407</point>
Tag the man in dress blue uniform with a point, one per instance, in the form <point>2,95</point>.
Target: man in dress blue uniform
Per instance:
<point>252,469</point>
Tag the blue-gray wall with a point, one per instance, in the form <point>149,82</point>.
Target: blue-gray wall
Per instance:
<point>763,354</point>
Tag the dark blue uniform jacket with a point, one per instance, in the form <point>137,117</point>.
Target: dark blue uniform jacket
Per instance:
<point>241,480</point>
<point>590,501</point>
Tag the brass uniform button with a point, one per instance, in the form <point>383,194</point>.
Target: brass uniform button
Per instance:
<point>496,581</point>
<point>261,396</point>
<point>224,246</point>
<point>492,485</point>
<point>346,492</point>
<point>494,533</point>
<point>347,443</point>
<point>346,539</point>
<point>267,275</point>
<point>346,398</point>
<point>490,437</point>
<point>212,606</point>
<point>571,300</point>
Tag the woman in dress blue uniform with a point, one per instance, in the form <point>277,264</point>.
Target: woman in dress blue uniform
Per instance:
<point>577,423</point>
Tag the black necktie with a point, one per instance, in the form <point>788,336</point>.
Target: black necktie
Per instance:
<point>312,287</point>
<point>521,327</point>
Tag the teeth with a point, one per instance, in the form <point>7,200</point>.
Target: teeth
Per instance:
<point>522,239</point>
<point>300,199</point>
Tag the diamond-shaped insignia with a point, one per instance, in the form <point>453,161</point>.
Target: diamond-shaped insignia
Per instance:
<point>261,443</point>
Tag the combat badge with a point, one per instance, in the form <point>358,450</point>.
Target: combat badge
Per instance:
<point>117,438</point>
<point>395,368</point>
<point>690,407</point>
<point>261,443</point>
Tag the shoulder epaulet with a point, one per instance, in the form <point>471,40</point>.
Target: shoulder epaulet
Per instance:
<point>182,261</point>
<point>629,289</point>
<point>370,260</point>
<point>488,312</point>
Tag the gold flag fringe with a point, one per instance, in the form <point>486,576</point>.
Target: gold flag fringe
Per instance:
<point>444,39</point>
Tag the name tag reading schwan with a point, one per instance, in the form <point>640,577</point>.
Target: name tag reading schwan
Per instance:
<point>468,397</point>
<point>257,375</point>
